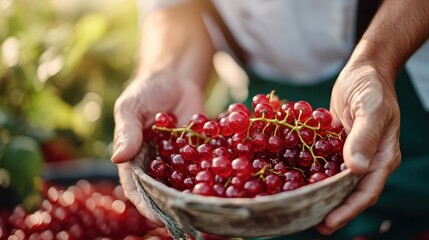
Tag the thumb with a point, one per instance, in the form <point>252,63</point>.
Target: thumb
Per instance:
<point>128,136</point>
<point>362,143</point>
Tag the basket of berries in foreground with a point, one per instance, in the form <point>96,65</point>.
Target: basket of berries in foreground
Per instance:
<point>273,170</point>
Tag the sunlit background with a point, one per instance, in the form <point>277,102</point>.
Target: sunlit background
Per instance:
<point>62,66</point>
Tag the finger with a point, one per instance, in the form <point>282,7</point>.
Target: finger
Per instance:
<point>184,110</point>
<point>365,195</point>
<point>128,134</point>
<point>370,187</point>
<point>157,234</point>
<point>362,143</point>
<point>132,193</point>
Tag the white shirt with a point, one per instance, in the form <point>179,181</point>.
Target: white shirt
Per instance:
<point>302,42</point>
<point>288,39</point>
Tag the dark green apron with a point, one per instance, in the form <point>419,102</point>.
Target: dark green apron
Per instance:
<point>404,203</point>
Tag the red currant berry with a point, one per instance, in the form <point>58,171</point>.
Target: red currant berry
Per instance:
<point>203,188</point>
<point>218,141</point>
<point>274,144</point>
<point>197,122</point>
<point>238,138</point>
<point>192,169</point>
<point>206,165</point>
<point>238,107</point>
<point>253,187</point>
<point>166,148</point>
<point>189,152</point>
<point>221,151</point>
<point>295,176</point>
<point>258,164</point>
<point>302,110</point>
<point>172,120</point>
<point>289,113</point>
<point>205,152</point>
<point>233,192</point>
<point>259,141</point>
<point>176,179</point>
<point>244,149</point>
<point>317,177</point>
<point>237,182</point>
<point>307,135</point>
<point>222,166</point>
<point>343,167</point>
<point>179,143</point>
<point>158,168</point>
<point>305,159</point>
<point>219,190</point>
<point>290,157</point>
<point>205,176</point>
<point>259,98</point>
<point>162,119</point>
<point>322,148</point>
<point>280,168</point>
<point>291,140</point>
<point>224,128</point>
<point>275,103</point>
<point>336,145</point>
<point>316,167</point>
<point>188,183</point>
<point>291,185</point>
<point>273,183</point>
<point>257,127</point>
<point>238,121</point>
<point>211,129</point>
<point>331,169</point>
<point>323,117</point>
<point>241,167</point>
<point>178,163</point>
<point>264,110</point>
<point>336,158</point>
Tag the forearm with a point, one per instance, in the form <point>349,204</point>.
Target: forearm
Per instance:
<point>176,39</point>
<point>398,29</point>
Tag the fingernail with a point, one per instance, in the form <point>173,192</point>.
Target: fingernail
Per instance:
<point>360,161</point>
<point>119,148</point>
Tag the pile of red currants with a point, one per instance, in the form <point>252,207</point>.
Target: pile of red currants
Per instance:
<point>84,210</point>
<point>275,147</point>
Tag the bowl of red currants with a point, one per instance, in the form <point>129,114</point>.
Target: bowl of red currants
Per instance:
<point>273,169</point>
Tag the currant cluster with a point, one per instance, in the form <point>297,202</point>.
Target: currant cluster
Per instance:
<point>81,211</point>
<point>276,146</point>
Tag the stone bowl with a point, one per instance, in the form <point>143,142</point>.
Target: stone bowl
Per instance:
<point>266,216</point>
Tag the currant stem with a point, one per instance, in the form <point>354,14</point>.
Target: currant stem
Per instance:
<point>275,121</point>
<point>183,130</point>
<point>260,173</point>
<point>227,182</point>
<point>298,169</point>
<point>272,94</point>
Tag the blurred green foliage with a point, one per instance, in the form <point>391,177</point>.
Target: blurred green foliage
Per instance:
<point>62,66</point>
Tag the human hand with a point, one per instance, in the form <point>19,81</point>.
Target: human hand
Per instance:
<point>365,103</point>
<point>134,111</point>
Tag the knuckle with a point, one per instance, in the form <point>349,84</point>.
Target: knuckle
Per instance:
<point>372,200</point>
<point>119,105</point>
<point>368,99</point>
<point>397,159</point>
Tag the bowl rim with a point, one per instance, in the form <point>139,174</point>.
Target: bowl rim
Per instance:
<point>195,198</point>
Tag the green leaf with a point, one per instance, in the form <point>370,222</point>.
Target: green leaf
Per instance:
<point>23,160</point>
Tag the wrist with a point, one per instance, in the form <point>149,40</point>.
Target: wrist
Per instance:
<point>368,56</point>
<point>391,39</point>
<point>176,40</point>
